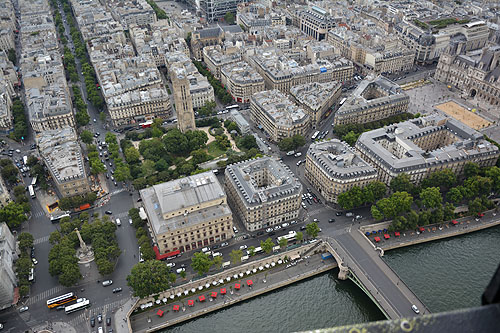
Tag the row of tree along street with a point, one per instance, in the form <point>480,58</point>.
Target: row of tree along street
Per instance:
<point>435,198</point>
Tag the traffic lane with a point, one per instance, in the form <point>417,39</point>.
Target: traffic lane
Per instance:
<point>12,321</point>
<point>375,274</point>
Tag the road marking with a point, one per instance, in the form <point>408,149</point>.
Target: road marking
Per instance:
<point>123,214</point>
<point>38,214</point>
<point>41,240</point>
<point>44,295</point>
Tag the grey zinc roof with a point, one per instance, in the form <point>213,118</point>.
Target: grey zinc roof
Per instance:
<point>339,160</point>
<point>281,181</point>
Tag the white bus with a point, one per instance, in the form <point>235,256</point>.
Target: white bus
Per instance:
<point>55,219</point>
<point>232,107</point>
<point>315,135</point>
<point>289,237</point>
<point>78,306</point>
<point>25,160</point>
<point>343,101</point>
<point>60,300</point>
<point>32,192</point>
<point>256,251</point>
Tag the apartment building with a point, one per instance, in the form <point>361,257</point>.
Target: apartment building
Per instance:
<point>282,73</point>
<point>63,157</point>
<point>182,97</point>
<point>187,213</point>
<point>242,81</point>
<point>262,192</point>
<point>316,98</point>
<point>333,167</point>
<point>7,25</point>
<point>213,10</point>
<point>278,115</point>
<point>137,12</point>
<point>476,73</point>
<point>374,99</point>
<point>8,254</point>
<point>421,146</point>
<point>94,20</point>
<point>316,22</point>
<point>6,124</point>
<point>215,57</point>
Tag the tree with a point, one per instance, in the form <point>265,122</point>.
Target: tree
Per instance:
<point>102,117</point>
<point>286,144</point>
<point>251,250</point>
<point>312,229</point>
<point>96,166</point>
<point>148,278</point>
<point>82,118</point>
<point>298,141</point>
<point>122,172</point>
<point>229,18</point>
<point>217,262</point>
<point>201,263</point>
<point>132,155</point>
<point>111,138</point>
<point>471,169</point>
<point>19,191</point>
<point>12,56</point>
<point>283,242</point>
<point>493,173</point>
<point>236,256</point>
<point>247,142</point>
<point>25,240</point>
<point>299,236</point>
<point>351,138</point>
<point>183,274</point>
<point>176,142</point>
<point>13,214</point>
<point>87,137</point>
<point>402,183</point>
<point>431,197</point>
<point>105,266</point>
<point>454,195</point>
<point>70,274</point>
<point>476,206</point>
<point>267,245</point>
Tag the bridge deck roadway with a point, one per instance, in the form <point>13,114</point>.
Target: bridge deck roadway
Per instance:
<point>377,277</point>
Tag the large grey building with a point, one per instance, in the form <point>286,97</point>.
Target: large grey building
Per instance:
<point>334,167</point>
<point>7,275</point>
<point>421,146</point>
<point>187,213</point>
<point>374,99</point>
<point>263,192</point>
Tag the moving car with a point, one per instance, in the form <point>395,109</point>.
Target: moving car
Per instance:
<point>331,220</point>
<point>243,247</point>
<point>415,309</point>
<point>109,212</point>
<point>118,222</point>
<point>23,309</point>
<point>117,290</point>
<point>99,318</point>
<point>107,283</point>
<point>180,270</point>
<point>92,321</point>
<point>34,261</point>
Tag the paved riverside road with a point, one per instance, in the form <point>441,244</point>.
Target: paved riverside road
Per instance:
<point>383,284</point>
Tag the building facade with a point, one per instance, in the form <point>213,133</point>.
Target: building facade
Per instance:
<point>374,99</point>
<point>421,146</point>
<point>333,167</point>
<point>263,192</point>
<point>187,213</point>
<point>215,58</point>
<point>316,98</point>
<point>316,22</point>
<point>7,274</point>
<point>242,81</point>
<point>182,98</point>
<point>279,117</point>
<point>476,74</point>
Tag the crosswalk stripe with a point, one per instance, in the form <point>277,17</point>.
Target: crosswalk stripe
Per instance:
<point>41,240</point>
<point>44,295</point>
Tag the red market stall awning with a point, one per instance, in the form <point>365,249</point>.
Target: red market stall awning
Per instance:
<point>159,313</point>
<point>397,234</point>
<point>480,214</point>
<point>190,302</point>
<point>176,308</point>
<point>201,298</point>
<point>237,286</point>
<point>454,222</point>
<point>422,229</point>
<point>223,291</point>
<point>249,282</point>
<point>386,236</point>
<point>214,294</point>
<point>377,239</point>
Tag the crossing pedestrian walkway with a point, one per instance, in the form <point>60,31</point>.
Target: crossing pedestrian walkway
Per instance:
<point>105,310</point>
<point>41,240</point>
<point>39,213</point>
<point>44,295</point>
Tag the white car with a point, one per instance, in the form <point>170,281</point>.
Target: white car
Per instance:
<point>171,264</point>
<point>298,154</point>
<point>243,247</point>
<point>277,227</point>
<point>284,225</point>
<point>180,270</point>
<point>118,222</point>
<point>34,261</point>
<point>269,230</point>
<point>95,120</point>
<point>235,230</point>
<point>130,221</point>
<point>290,153</point>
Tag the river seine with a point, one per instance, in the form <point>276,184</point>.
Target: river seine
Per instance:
<point>447,274</point>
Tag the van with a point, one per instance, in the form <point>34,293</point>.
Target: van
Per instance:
<point>226,264</point>
<point>244,258</point>
<point>118,222</point>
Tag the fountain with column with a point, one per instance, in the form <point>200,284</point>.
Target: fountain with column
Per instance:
<point>84,253</point>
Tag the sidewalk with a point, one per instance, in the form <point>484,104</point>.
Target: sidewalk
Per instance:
<point>121,315</point>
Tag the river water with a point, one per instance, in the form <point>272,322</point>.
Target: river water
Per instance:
<point>447,274</point>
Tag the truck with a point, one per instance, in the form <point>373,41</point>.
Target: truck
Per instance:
<point>326,255</point>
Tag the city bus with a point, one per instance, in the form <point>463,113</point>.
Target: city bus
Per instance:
<point>290,237</point>
<point>33,181</point>
<point>342,101</point>
<point>256,251</point>
<point>25,160</point>
<point>32,192</point>
<point>315,135</point>
<point>146,124</point>
<point>232,107</point>
<point>77,307</point>
<point>60,300</point>
<point>56,219</point>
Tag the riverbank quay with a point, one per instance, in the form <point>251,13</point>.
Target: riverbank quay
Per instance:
<point>428,233</point>
<point>242,286</point>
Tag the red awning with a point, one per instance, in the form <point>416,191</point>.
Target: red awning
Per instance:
<point>422,229</point>
<point>159,313</point>
<point>480,214</point>
<point>223,291</point>
<point>214,294</point>
<point>249,282</point>
<point>201,298</point>
<point>397,234</point>
<point>166,255</point>
<point>386,236</point>
<point>237,286</point>
<point>190,302</point>
<point>454,222</point>
<point>377,239</point>
<point>176,308</point>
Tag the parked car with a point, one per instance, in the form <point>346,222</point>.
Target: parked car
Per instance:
<point>23,309</point>
<point>331,220</point>
<point>171,264</point>
<point>284,225</point>
<point>99,318</point>
<point>180,270</point>
<point>117,290</point>
<point>243,247</point>
<point>92,321</point>
<point>109,212</point>
<point>269,229</point>
<point>34,261</point>
<point>277,227</point>
<point>224,244</point>
<point>107,283</point>
<point>235,230</point>
<point>415,309</point>
<point>338,214</point>
<point>298,154</point>
<point>130,221</point>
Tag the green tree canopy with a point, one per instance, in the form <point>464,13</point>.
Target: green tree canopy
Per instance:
<point>25,240</point>
<point>236,256</point>
<point>148,278</point>
<point>299,236</point>
<point>87,137</point>
<point>431,197</point>
<point>267,245</point>
<point>312,229</point>
<point>201,263</point>
<point>283,242</point>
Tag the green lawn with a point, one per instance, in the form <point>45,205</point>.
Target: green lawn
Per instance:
<point>214,150</point>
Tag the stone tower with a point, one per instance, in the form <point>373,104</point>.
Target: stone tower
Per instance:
<point>182,98</point>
